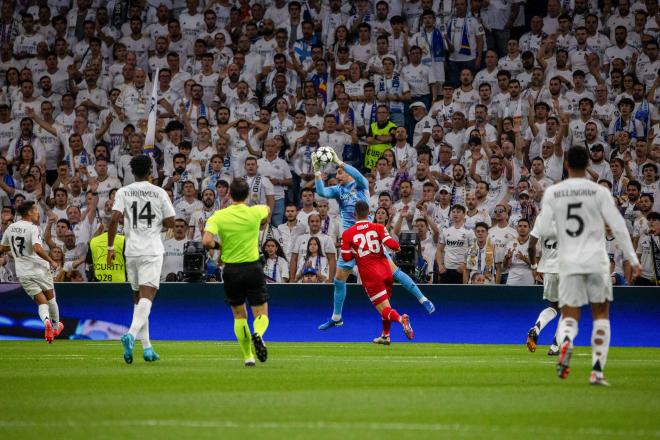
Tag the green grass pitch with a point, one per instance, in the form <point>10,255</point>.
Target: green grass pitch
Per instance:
<point>200,390</point>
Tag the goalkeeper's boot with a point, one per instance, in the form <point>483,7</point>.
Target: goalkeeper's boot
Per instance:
<point>565,352</point>
<point>598,378</point>
<point>149,355</point>
<point>428,305</point>
<point>58,329</point>
<point>259,347</point>
<point>128,342</point>
<point>331,323</point>
<point>48,331</point>
<point>532,339</point>
<point>382,340</point>
<point>407,328</point>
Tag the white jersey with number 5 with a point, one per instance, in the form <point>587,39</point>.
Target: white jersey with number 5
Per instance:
<point>580,208</point>
<point>21,237</point>
<point>144,206</point>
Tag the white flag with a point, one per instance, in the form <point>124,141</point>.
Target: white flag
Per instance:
<point>150,139</point>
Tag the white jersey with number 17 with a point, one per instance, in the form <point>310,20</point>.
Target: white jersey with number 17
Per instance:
<point>580,208</point>
<point>144,206</point>
<point>21,237</point>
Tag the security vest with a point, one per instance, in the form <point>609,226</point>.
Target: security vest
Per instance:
<point>115,273</point>
<point>375,151</point>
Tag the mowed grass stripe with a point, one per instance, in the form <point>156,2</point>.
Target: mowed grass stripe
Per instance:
<point>201,390</point>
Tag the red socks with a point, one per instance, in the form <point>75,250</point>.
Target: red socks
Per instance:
<point>387,324</point>
<point>390,314</point>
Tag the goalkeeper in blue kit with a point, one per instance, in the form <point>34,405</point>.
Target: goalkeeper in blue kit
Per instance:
<point>353,187</point>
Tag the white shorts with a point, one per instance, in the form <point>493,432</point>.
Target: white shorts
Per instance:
<point>34,285</point>
<point>551,287</point>
<point>144,271</point>
<point>578,290</point>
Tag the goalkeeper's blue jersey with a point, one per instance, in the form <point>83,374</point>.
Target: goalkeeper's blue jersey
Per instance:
<point>346,195</point>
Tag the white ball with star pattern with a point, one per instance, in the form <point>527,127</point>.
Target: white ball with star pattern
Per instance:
<point>325,155</point>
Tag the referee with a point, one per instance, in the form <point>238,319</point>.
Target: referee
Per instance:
<point>238,228</point>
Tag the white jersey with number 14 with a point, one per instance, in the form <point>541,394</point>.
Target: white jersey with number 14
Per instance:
<point>144,206</point>
<point>580,208</point>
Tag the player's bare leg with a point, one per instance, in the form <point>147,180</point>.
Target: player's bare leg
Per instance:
<point>339,295</point>
<point>260,325</point>
<point>41,300</point>
<point>141,312</point>
<point>387,312</point>
<point>566,333</point>
<point>546,315</point>
<point>411,287</point>
<point>600,342</point>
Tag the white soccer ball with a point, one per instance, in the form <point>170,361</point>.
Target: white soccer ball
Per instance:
<point>325,155</point>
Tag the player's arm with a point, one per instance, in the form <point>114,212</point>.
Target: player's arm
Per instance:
<point>531,251</point>
<point>388,241</point>
<point>362,182</point>
<point>210,231</point>
<point>208,240</point>
<point>39,250</point>
<point>168,222</point>
<point>617,224</point>
<point>112,232</point>
<point>330,192</point>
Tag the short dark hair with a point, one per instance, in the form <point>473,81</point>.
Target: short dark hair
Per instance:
<point>25,208</point>
<point>238,190</point>
<point>361,210</point>
<point>577,157</point>
<point>481,225</point>
<point>141,166</point>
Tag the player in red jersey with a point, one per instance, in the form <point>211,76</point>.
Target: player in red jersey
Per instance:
<point>365,242</point>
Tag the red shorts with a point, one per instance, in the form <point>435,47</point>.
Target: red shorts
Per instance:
<point>378,289</point>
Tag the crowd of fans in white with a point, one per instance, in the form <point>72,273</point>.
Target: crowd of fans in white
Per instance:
<point>457,112</point>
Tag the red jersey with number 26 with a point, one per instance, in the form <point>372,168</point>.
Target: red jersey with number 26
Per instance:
<point>364,242</point>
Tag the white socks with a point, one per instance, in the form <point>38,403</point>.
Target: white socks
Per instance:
<point>568,328</point>
<point>547,315</point>
<point>140,316</point>
<point>43,312</point>
<point>53,311</point>
<point>143,333</point>
<point>143,336</point>
<point>600,344</point>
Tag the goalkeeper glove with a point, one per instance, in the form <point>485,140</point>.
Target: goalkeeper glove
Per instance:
<point>316,163</point>
<point>335,159</point>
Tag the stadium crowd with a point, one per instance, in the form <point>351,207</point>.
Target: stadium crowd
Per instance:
<point>457,112</point>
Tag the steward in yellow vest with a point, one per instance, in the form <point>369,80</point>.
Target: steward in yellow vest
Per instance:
<point>379,138</point>
<point>98,250</point>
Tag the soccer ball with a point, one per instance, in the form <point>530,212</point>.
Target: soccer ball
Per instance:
<point>325,155</point>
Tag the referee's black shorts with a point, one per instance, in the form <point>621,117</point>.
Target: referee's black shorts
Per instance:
<point>244,281</point>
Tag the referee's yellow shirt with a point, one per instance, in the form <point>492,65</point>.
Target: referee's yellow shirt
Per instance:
<point>238,228</point>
